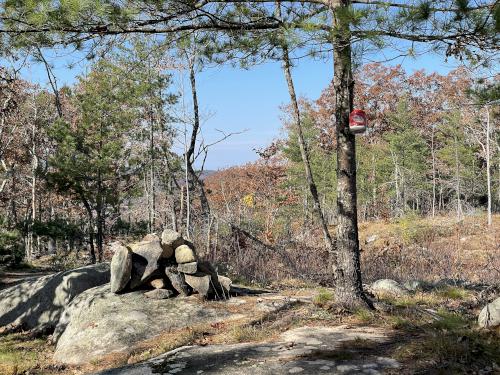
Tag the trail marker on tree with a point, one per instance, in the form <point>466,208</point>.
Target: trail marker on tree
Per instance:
<point>357,121</point>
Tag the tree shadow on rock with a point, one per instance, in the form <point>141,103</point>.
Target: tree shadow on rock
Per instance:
<point>38,303</point>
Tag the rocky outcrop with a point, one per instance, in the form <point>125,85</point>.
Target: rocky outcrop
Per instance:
<point>178,281</point>
<point>158,284</point>
<point>226,282</point>
<point>417,285</point>
<point>489,317</point>
<point>389,287</point>
<point>200,283</point>
<point>303,350</point>
<point>99,322</point>
<point>159,294</point>
<point>38,303</point>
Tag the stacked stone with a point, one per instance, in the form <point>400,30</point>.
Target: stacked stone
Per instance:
<point>165,267</point>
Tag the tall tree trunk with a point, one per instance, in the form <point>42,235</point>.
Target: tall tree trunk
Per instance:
<point>441,198</point>
<point>34,167</point>
<point>198,184</point>
<point>145,184</point>
<point>433,154</point>
<point>100,233</point>
<point>52,81</point>
<point>498,186</point>
<point>173,212</point>
<point>12,217</point>
<point>488,162</point>
<point>348,288</point>
<point>457,183</point>
<point>100,201</point>
<point>374,187</point>
<point>304,152</point>
<point>99,219</point>
<point>188,198</point>
<point>4,181</point>
<point>397,185</point>
<point>91,228</point>
<point>151,200</point>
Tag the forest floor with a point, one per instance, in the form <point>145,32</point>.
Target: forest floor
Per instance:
<point>423,333</point>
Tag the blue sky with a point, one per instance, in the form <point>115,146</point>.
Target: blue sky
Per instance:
<point>251,100</point>
<point>248,100</point>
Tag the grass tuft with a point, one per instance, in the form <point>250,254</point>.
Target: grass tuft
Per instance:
<point>398,322</point>
<point>247,333</point>
<point>452,292</point>
<point>417,299</point>
<point>323,298</point>
<point>365,315</point>
<point>449,321</point>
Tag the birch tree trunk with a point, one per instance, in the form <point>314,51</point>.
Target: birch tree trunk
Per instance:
<point>374,187</point>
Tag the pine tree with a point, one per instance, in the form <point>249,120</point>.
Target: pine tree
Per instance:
<point>408,153</point>
<point>91,147</point>
<point>453,27</point>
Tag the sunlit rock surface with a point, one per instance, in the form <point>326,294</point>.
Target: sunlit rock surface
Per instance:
<point>99,322</point>
<point>305,350</point>
<point>38,303</point>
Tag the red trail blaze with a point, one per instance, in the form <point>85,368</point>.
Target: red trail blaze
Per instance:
<point>357,121</point>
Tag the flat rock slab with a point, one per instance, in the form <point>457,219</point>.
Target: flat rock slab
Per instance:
<point>99,322</point>
<point>305,350</point>
<point>189,268</point>
<point>37,303</point>
<point>159,294</point>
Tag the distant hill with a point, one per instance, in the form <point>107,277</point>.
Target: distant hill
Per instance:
<point>203,175</point>
<point>207,173</point>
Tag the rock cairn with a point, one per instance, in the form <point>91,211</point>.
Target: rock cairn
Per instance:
<point>165,267</point>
